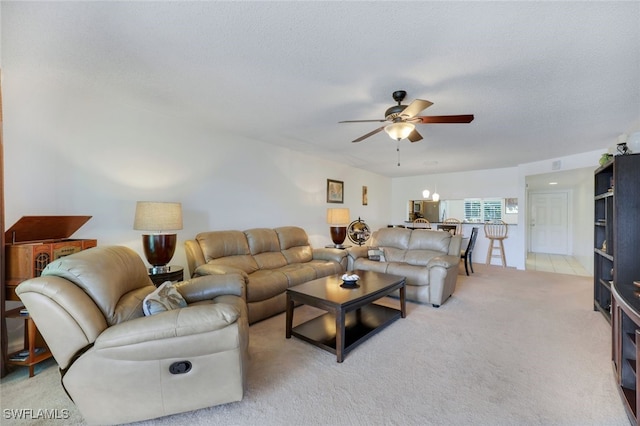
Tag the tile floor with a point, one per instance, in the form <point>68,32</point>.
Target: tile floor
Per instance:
<point>555,263</point>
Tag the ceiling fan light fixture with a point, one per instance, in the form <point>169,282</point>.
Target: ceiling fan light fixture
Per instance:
<point>399,130</point>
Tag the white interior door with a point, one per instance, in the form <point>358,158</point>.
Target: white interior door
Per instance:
<point>549,222</point>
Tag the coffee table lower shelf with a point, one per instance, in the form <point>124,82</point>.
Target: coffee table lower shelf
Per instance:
<point>360,324</point>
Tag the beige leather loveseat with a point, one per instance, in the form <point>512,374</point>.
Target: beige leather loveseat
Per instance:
<point>120,366</point>
<point>269,261</point>
<point>428,259</point>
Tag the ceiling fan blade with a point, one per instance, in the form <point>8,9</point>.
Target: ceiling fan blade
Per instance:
<point>465,118</point>
<point>363,121</point>
<point>414,136</point>
<point>363,137</point>
<point>415,108</point>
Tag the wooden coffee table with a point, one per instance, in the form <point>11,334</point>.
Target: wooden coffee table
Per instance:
<point>351,316</point>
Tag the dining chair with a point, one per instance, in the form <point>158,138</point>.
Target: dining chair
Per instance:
<point>454,221</point>
<point>424,223</point>
<point>467,253</point>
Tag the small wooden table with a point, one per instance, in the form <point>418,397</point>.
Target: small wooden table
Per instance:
<point>351,316</point>
<point>173,273</point>
<point>33,341</point>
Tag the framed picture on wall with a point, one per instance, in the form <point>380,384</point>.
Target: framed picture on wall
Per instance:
<point>511,205</point>
<point>365,196</point>
<point>335,191</point>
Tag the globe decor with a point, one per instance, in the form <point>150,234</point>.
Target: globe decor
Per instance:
<point>358,232</point>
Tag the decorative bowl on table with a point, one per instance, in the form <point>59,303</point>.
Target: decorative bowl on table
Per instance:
<point>350,281</point>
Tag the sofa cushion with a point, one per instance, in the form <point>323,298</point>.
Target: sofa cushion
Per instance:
<point>430,240</point>
<point>391,237</point>
<point>266,283</point>
<point>420,257</point>
<point>245,263</point>
<point>370,265</point>
<point>215,244</point>
<point>298,273</point>
<point>265,248</point>
<point>294,244</point>
<point>291,236</point>
<point>325,267</point>
<point>301,254</point>
<point>392,254</point>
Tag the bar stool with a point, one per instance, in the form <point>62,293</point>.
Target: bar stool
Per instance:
<point>496,231</point>
<point>456,222</point>
<point>423,223</point>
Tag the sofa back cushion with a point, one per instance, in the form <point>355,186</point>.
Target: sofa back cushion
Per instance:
<point>228,248</point>
<point>264,246</point>
<point>294,244</point>
<point>424,239</point>
<point>397,238</point>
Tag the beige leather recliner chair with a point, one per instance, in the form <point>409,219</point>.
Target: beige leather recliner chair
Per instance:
<point>116,364</point>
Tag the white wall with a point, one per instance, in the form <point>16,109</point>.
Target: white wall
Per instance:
<point>581,219</point>
<point>494,183</point>
<point>97,154</point>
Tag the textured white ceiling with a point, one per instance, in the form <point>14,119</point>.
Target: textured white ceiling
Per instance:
<point>544,79</point>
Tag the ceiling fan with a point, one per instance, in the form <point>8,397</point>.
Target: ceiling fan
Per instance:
<point>403,119</point>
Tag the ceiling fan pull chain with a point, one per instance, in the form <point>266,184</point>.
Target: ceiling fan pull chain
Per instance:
<point>398,151</point>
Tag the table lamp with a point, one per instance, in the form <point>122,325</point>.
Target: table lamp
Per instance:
<point>338,219</point>
<point>158,218</point>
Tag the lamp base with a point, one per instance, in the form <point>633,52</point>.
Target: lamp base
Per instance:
<point>159,269</point>
<point>159,248</point>
<point>338,234</point>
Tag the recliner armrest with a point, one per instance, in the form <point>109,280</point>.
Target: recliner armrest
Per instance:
<point>208,287</point>
<point>175,323</point>
<point>446,261</point>
<point>214,269</point>
<point>357,252</point>
<point>333,254</point>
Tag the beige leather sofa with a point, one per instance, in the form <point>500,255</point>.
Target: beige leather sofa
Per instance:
<point>428,259</point>
<point>119,366</point>
<point>269,261</point>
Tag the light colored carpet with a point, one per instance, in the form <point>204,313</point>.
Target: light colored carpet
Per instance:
<point>509,348</point>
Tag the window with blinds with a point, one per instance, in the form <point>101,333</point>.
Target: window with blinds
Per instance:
<point>492,210</point>
<point>476,210</point>
<point>473,210</point>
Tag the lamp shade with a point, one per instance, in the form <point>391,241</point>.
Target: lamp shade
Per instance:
<point>338,217</point>
<point>157,216</point>
<point>399,130</point>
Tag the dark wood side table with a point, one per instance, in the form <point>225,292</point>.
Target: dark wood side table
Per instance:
<point>175,273</point>
<point>340,247</point>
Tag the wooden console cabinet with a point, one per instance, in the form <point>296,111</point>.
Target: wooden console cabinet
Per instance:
<point>35,241</point>
<point>30,245</point>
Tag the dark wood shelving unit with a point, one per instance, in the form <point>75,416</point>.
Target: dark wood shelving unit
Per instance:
<point>617,269</point>
<point>603,239</point>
